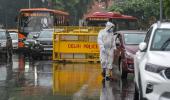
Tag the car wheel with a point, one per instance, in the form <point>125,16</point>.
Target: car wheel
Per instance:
<point>122,71</point>
<point>136,94</point>
<point>140,88</point>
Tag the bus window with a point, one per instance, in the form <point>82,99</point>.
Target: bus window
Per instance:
<point>122,22</point>
<point>125,24</point>
<point>96,23</point>
<point>36,21</point>
<point>132,24</point>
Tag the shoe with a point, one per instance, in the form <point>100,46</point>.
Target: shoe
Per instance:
<point>107,78</point>
<point>103,74</point>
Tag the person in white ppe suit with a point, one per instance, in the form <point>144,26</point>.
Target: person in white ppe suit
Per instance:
<point>106,45</point>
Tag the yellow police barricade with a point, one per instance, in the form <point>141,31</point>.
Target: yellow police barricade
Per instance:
<point>73,43</point>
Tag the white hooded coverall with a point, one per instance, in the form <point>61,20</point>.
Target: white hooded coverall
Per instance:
<point>106,45</point>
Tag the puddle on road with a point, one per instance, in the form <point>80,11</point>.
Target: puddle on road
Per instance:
<point>44,80</point>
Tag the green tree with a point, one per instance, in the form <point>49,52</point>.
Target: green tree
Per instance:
<point>76,8</point>
<point>144,10</point>
<point>167,8</point>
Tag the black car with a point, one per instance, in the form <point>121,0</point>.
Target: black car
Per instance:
<point>5,43</point>
<point>43,44</point>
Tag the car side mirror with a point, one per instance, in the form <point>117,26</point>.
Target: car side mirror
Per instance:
<point>142,46</point>
<point>35,36</point>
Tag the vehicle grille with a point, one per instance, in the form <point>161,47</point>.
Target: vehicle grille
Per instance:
<point>46,42</point>
<point>167,73</point>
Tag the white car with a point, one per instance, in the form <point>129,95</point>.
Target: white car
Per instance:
<point>14,36</point>
<point>152,64</point>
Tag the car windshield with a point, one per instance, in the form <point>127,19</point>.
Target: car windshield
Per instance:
<point>35,21</point>
<point>2,35</point>
<point>46,34</point>
<point>133,38</point>
<point>126,24</point>
<point>161,40</point>
<point>14,36</point>
<point>96,23</point>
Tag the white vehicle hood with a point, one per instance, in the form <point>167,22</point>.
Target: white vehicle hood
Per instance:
<point>159,58</point>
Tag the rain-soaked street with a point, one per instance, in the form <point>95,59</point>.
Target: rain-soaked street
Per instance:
<point>24,79</point>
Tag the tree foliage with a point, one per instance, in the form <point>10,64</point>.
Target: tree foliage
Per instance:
<point>76,8</point>
<point>9,10</point>
<point>144,10</point>
<point>167,8</point>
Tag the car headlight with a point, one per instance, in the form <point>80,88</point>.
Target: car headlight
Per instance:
<point>154,68</point>
<point>37,42</point>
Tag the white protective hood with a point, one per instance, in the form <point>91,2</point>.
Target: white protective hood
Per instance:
<point>109,25</point>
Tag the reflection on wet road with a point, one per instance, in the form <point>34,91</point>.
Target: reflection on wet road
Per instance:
<point>82,81</point>
<point>24,79</point>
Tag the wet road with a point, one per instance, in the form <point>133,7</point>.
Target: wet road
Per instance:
<point>24,79</point>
